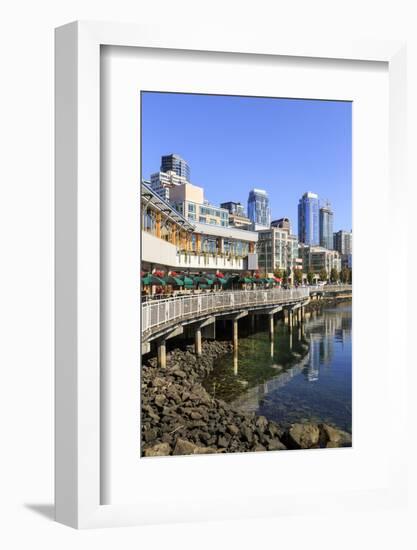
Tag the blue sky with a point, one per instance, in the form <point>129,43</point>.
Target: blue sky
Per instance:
<point>233,144</point>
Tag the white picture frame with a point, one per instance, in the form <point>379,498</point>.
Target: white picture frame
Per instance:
<point>78,406</point>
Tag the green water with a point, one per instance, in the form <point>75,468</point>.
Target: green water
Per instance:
<point>305,375</point>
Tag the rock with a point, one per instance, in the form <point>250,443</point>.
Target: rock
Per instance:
<point>184,447</point>
<point>261,423</point>
<point>276,445</point>
<point>150,435</point>
<point>233,429</point>
<point>179,374</point>
<point>158,382</point>
<point>259,448</point>
<point>303,436</point>
<point>247,434</point>
<point>195,415</point>
<point>160,449</point>
<point>338,438</point>
<point>160,400</point>
<point>223,441</point>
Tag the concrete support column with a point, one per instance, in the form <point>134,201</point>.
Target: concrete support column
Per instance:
<point>197,341</point>
<point>235,334</point>
<point>162,354</point>
<point>252,323</point>
<point>271,326</point>
<point>290,319</point>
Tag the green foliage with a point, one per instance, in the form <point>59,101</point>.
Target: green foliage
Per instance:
<point>323,275</point>
<point>334,275</point>
<point>346,275</point>
<point>310,277</point>
<point>298,275</point>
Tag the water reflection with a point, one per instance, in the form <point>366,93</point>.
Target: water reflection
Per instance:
<point>300,375</point>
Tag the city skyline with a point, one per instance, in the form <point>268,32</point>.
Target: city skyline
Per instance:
<point>210,163</point>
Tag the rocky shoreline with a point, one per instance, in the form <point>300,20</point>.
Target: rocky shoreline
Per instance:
<point>179,417</point>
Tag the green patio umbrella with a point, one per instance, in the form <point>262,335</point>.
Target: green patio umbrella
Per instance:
<point>152,280</point>
<point>175,281</point>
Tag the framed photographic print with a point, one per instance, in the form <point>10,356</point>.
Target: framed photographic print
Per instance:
<point>215,315</point>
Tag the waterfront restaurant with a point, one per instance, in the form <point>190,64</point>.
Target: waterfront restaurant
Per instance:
<point>170,242</point>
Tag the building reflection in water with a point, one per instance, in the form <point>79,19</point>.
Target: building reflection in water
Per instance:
<point>321,332</point>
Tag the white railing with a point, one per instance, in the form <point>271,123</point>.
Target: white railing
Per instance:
<point>159,312</point>
<point>330,288</point>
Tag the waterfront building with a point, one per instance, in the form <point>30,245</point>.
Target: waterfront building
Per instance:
<point>342,241</point>
<point>326,226</point>
<point>308,219</point>
<point>317,258</point>
<point>189,200</point>
<point>234,208</point>
<point>170,241</point>
<point>163,182</point>
<point>237,215</point>
<point>176,164</point>
<point>258,209</point>
<point>282,223</point>
<point>277,249</point>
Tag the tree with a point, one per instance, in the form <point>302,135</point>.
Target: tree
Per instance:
<point>298,276</point>
<point>278,273</point>
<point>334,275</point>
<point>323,275</point>
<point>310,277</point>
<point>345,275</point>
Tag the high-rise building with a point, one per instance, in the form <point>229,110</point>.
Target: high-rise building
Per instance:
<point>258,209</point>
<point>282,223</point>
<point>234,208</point>
<point>163,182</point>
<point>237,215</point>
<point>175,164</point>
<point>342,241</point>
<point>308,219</point>
<point>326,226</point>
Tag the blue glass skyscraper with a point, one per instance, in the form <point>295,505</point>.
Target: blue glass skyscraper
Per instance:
<point>308,219</point>
<point>175,164</point>
<point>258,208</point>
<point>326,226</point>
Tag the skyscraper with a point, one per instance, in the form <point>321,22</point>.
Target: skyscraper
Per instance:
<point>308,219</point>
<point>342,241</point>
<point>175,164</point>
<point>258,208</point>
<point>326,226</point>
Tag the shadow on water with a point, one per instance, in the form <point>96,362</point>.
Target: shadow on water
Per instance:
<point>305,375</point>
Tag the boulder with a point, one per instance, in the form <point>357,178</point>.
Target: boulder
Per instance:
<point>184,447</point>
<point>261,423</point>
<point>333,437</point>
<point>276,445</point>
<point>303,436</point>
<point>160,449</point>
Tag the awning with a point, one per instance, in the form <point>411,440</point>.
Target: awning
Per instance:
<point>176,281</point>
<point>152,280</point>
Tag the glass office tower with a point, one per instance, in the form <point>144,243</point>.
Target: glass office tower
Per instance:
<point>308,219</point>
<point>326,226</point>
<point>258,208</point>
<point>175,164</point>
